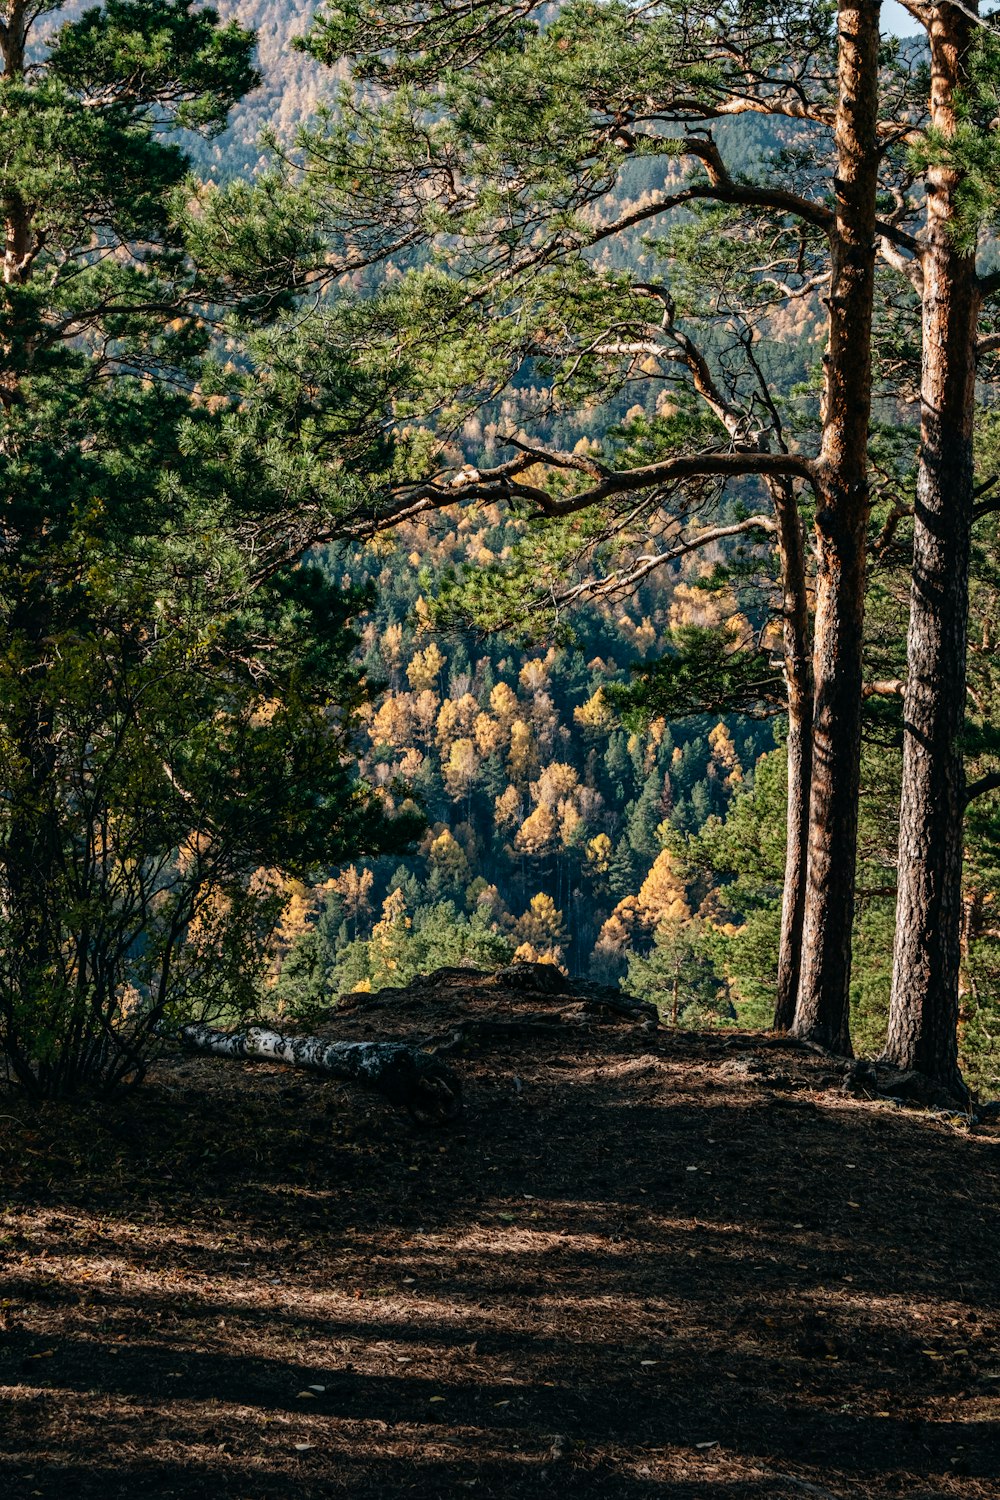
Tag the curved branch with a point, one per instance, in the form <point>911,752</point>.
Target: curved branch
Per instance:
<point>898,513</point>
<point>596,588</point>
<point>980,788</point>
<point>503,483</point>
<point>909,267</point>
<point>921,13</point>
<point>675,470</point>
<point>726,191</point>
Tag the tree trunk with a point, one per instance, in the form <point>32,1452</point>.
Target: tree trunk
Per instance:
<point>405,1075</point>
<point>822,1012</point>
<point>970,929</point>
<point>923,1017</point>
<point>18,238</point>
<point>798,680</point>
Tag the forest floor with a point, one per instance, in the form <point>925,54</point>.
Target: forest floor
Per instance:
<point>643,1263</point>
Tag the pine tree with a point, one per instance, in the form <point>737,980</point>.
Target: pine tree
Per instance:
<point>533,126</point>
<point>678,975</point>
<point>168,669</point>
<point>954,129</point>
<point>645,818</point>
<point>623,870</point>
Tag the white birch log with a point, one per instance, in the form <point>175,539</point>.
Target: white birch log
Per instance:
<point>405,1075</point>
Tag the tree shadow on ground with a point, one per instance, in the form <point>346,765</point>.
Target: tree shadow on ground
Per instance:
<point>640,1269</point>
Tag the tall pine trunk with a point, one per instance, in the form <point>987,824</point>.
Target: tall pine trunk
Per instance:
<point>798,680</point>
<point>16,219</point>
<point>923,1016</point>
<point>822,1012</point>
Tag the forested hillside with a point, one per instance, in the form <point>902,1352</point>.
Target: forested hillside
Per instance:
<point>549,816</point>
<point>522,458</point>
<point>646,848</point>
<point>499,750</point>
<point>292,85</point>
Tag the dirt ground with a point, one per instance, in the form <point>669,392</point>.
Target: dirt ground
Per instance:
<point>642,1264</point>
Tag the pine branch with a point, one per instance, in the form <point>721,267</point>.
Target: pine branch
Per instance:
<point>618,582</point>
<point>980,788</point>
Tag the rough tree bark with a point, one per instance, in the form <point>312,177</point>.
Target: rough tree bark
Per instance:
<point>798,680</point>
<point>923,1018</point>
<point>822,1010</point>
<point>18,240</point>
<point>406,1076</point>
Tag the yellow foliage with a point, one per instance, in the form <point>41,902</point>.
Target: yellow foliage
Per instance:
<point>392,642</point>
<point>555,782</point>
<point>456,719</point>
<point>570,825</point>
<point>724,755</point>
<point>488,899</point>
<point>423,614</point>
<point>508,807</point>
<point>523,756</point>
<point>425,712</point>
<point>537,833</point>
<point>525,953</point>
<point>354,886</point>
<point>393,916</point>
<point>534,676</point>
<point>425,668</point>
<point>489,735</point>
<point>691,606</point>
<point>393,723</point>
<point>662,894</point>
<point>265,713</point>
<point>596,716</point>
<point>461,769</point>
<point>614,937</point>
<point>409,766</point>
<point>541,925</point>
<point>447,855</point>
<point>645,635</point>
<point>598,853</point>
<point>382,544</point>
<point>295,914</point>
<point>503,701</point>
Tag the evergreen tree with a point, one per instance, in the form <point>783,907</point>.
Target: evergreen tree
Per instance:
<point>504,145</point>
<point>165,692</point>
<point>645,818</point>
<point>623,870</point>
<point>679,976</point>
<point>954,127</point>
<point>618,764</point>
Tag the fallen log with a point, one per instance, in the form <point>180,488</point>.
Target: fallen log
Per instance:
<point>406,1076</point>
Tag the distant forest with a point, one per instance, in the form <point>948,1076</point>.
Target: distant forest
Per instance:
<point>560,824</point>
<point>496,482</point>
